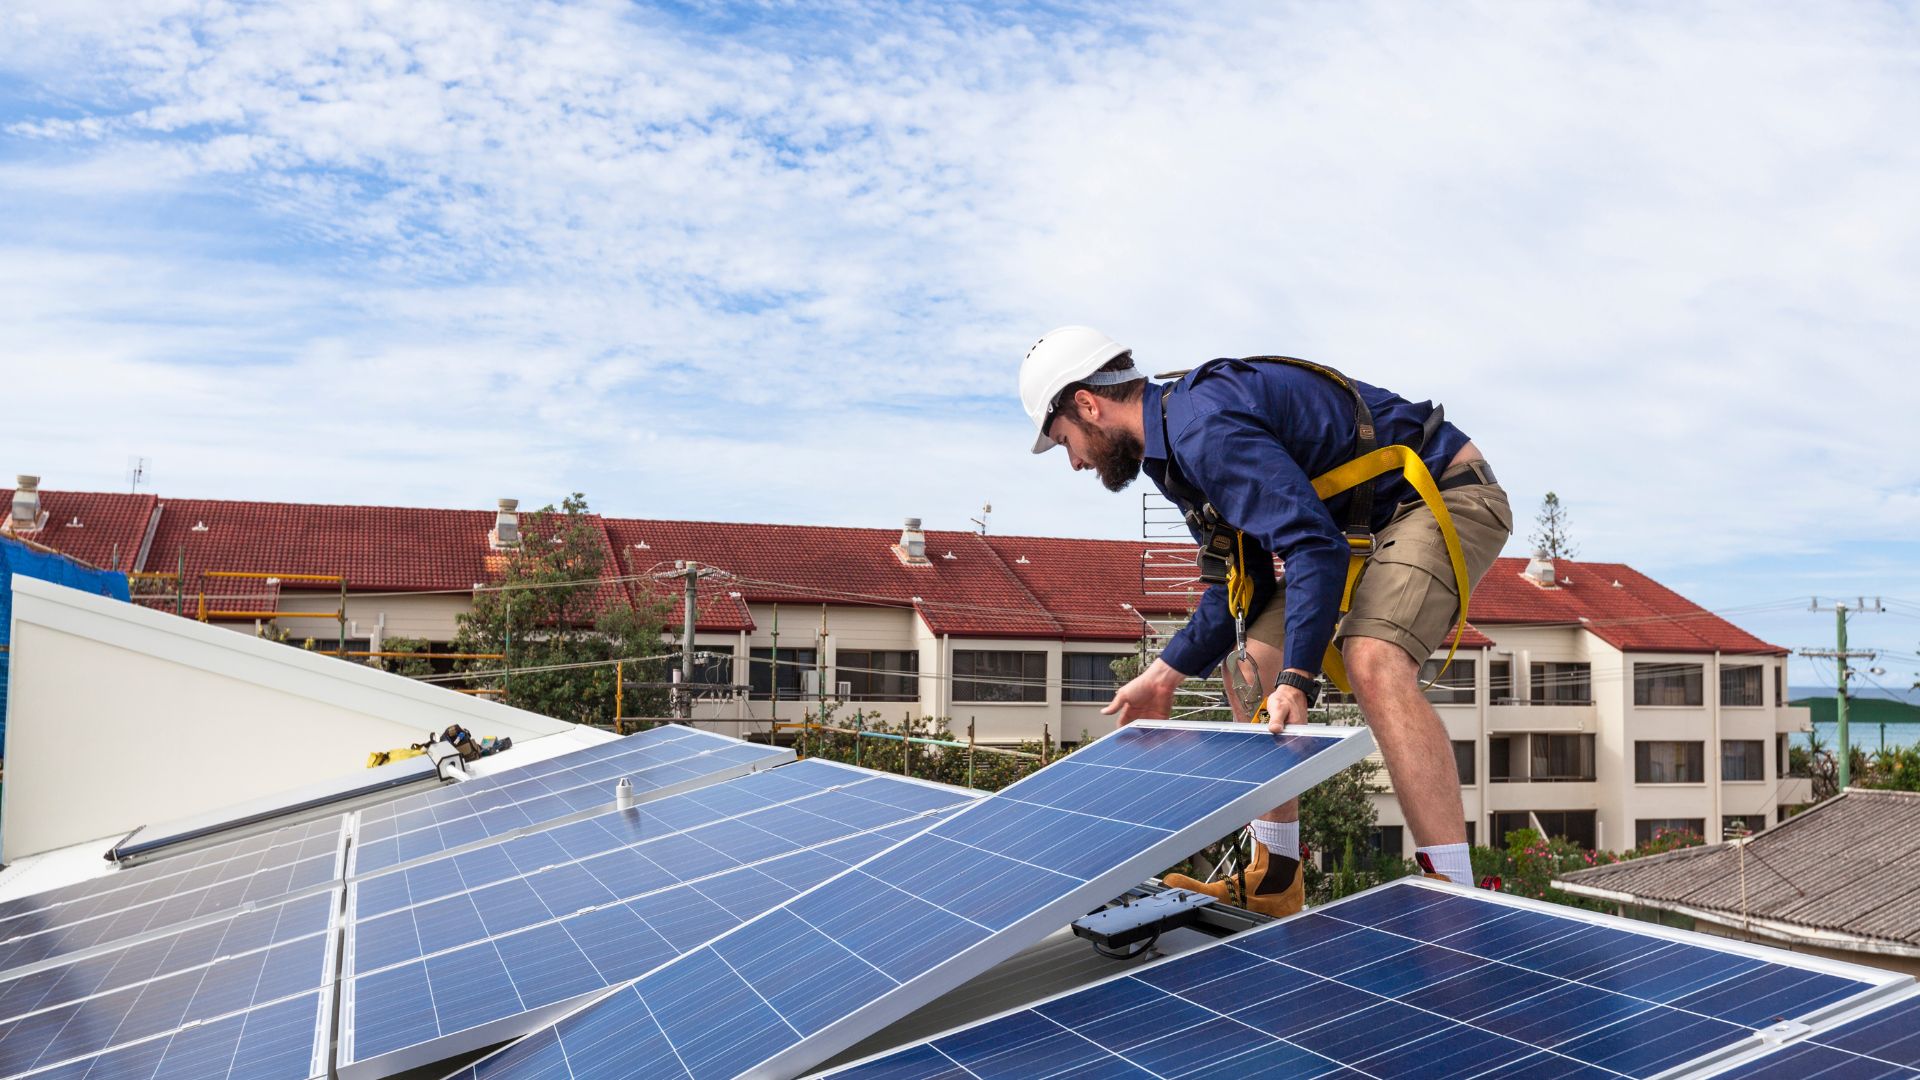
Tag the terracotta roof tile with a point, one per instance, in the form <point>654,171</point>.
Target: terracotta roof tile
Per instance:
<point>104,529</point>
<point>1620,605</point>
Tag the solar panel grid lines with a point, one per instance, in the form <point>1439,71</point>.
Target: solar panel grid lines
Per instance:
<point>511,981</point>
<point>1370,987</point>
<point>186,870</point>
<point>74,930</point>
<point>639,868</point>
<point>579,840</point>
<point>786,990</point>
<point>1880,1041</point>
<point>462,817</point>
<point>262,1015</point>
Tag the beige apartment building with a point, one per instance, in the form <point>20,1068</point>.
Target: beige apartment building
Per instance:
<point>1587,700</point>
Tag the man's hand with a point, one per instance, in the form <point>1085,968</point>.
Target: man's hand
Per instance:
<point>1148,697</point>
<point>1286,705</point>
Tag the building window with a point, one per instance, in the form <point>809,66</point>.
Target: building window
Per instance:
<point>1089,676</point>
<point>1780,685</point>
<point>1469,834</point>
<point>712,665</point>
<point>1561,757</point>
<point>1455,685</point>
<point>1780,756</point>
<point>1463,761</point>
<point>879,674</point>
<point>1559,683</point>
<point>791,666</point>
<point>1647,830</point>
<point>1743,759</point>
<point>1743,687</point>
<point>1500,759</point>
<point>1500,682</point>
<point>1386,842</point>
<point>1578,826</point>
<point>1669,763</point>
<point>1667,684</point>
<point>1737,825</point>
<point>993,676</point>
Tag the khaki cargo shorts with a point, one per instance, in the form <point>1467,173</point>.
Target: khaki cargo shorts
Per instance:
<point>1406,592</point>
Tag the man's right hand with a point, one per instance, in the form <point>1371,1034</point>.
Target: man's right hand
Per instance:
<point>1148,697</point>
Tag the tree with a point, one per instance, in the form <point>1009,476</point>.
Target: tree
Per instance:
<point>551,609</point>
<point>1551,535</point>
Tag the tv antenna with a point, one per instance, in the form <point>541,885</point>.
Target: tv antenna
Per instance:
<point>139,471</point>
<point>985,510</point>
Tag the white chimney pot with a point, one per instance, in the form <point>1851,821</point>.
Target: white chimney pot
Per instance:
<point>26,503</point>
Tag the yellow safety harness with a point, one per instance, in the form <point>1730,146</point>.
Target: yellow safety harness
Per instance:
<point>1357,476</point>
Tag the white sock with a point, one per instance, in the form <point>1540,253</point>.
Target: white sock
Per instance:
<point>1450,861</point>
<point>1281,838</point>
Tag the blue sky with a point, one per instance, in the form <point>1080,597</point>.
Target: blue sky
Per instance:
<point>779,262</point>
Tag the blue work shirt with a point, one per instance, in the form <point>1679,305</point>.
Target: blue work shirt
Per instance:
<point>1250,437</point>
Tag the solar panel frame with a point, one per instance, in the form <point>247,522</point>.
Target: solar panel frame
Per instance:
<point>1880,987</point>
<point>493,1030</point>
<point>463,816</point>
<point>148,840</point>
<point>1838,1047</point>
<point>1337,749</point>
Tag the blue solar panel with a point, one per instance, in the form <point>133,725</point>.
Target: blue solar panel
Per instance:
<point>85,925</point>
<point>283,1041</point>
<point>1407,980</point>
<point>506,958</point>
<point>428,824</point>
<point>1882,1045</point>
<point>166,955</point>
<point>177,874</point>
<point>810,977</point>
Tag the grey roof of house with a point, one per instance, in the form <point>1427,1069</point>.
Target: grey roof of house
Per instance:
<point>1848,866</point>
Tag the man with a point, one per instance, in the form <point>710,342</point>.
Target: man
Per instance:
<point>1235,443</point>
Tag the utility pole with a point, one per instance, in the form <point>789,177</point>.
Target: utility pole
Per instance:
<point>1839,654</point>
<point>691,572</point>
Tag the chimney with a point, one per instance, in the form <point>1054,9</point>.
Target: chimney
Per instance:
<point>1540,569</point>
<point>912,548</point>
<point>26,516</point>
<point>506,525</point>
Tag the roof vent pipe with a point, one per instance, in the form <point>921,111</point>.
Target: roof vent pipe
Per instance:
<point>26,504</point>
<point>506,525</point>
<point>1540,569</point>
<point>912,548</point>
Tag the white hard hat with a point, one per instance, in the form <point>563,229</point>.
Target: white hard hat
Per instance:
<point>1059,359</point>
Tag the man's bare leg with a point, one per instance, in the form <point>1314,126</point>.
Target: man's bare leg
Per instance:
<point>1386,683</point>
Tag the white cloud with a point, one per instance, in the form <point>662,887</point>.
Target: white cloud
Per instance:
<point>1662,261</point>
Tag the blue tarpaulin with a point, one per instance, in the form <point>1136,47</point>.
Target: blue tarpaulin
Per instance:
<point>18,558</point>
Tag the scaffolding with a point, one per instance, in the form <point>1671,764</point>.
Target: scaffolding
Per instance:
<point>1168,572</point>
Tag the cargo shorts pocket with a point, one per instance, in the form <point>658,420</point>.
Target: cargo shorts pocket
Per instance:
<point>1405,594</point>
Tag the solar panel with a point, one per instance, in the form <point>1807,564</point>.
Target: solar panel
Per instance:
<point>186,871</point>
<point>504,958</point>
<point>149,840</point>
<point>235,1010</point>
<point>110,916</point>
<point>1410,979</point>
<point>445,819</point>
<point>792,987</point>
<point>1884,1044</point>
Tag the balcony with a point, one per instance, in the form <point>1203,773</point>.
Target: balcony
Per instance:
<point>1788,718</point>
<point>1523,718</point>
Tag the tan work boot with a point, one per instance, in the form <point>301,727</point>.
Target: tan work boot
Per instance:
<point>1242,889</point>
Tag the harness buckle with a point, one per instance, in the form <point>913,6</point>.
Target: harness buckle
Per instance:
<point>1360,540</point>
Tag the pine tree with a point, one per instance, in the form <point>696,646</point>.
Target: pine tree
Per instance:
<point>1551,534</point>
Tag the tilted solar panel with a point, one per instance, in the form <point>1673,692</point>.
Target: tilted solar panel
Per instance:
<point>446,819</point>
<point>1884,1044</point>
<point>473,967</point>
<point>796,985</point>
<point>81,926</point>
<point>1410,979</point>
<point>181,873</point>
<point>260,1014</point>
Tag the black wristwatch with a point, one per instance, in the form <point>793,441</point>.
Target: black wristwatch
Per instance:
<point>1306,684</point>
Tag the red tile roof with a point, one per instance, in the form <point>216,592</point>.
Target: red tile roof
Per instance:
<point>1619,604</point>
<point>971,586</point>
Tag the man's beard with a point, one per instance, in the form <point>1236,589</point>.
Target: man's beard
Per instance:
<point>1115,456</point>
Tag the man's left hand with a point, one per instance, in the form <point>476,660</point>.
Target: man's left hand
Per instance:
<point>1286,705</point>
